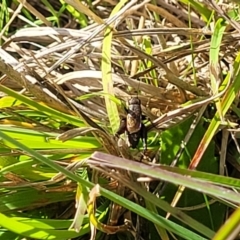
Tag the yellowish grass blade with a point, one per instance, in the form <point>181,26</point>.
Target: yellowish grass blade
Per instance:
<point>107,73</point>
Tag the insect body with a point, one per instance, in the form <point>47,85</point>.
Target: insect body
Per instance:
<point>133,125</point>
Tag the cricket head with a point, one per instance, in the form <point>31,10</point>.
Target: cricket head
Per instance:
<point>134,101</point>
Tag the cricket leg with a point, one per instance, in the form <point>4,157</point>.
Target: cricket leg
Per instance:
<point>144,137</point>
<point>122,127</point>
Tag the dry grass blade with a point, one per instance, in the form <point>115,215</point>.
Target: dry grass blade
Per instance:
<point>169,75</point>
<point>179,114</point>
<point>95,33</point>
<point>29,81</point>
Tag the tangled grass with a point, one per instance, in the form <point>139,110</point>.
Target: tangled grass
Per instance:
<point>67,70</point>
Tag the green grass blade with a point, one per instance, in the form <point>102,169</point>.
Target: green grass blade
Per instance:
<point>215,74</point>
<point>107,73</point>
<point>42,108</point>
<point>17,200</point>
<point>226,103</point>
<point>77,15</point>
<point>46,140</point>
<point>32,232</point>
<point>230,229</point>
<point>205,12</point>
<point>214,54</point>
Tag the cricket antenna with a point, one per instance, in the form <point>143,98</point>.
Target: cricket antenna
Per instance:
<point>138,87</point>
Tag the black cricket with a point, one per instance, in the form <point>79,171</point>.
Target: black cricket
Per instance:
<point>132,124</point>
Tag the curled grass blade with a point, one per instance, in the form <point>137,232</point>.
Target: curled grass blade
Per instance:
<point>213,178</point>
<point>158,173</point>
